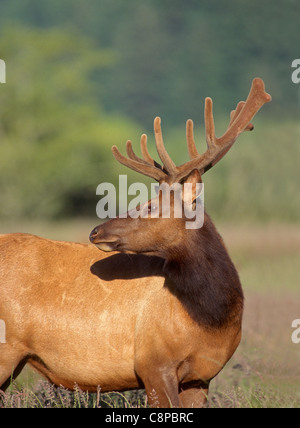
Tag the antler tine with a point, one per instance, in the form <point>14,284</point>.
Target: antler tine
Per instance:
<point>193,152</point>
<point>131,154</point>
<point>168,164</point>
<point>209,123</point>
<point>146,155</point>
<point>144,150</point>
<point>234,114</point>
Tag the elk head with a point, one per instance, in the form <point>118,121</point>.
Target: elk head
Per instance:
<point>146,230</point>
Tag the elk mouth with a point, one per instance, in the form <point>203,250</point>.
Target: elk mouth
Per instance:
<point>107,246</point>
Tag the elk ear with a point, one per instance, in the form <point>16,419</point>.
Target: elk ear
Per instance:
<point>192,187</point>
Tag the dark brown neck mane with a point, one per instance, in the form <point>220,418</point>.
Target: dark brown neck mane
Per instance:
<point>204,279</point>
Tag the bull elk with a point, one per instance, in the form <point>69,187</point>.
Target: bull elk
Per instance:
<point>163,311</point>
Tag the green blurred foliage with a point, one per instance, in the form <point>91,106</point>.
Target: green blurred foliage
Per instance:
<point>170,54</point>
<point>55,138</point>
<point>82,76</point>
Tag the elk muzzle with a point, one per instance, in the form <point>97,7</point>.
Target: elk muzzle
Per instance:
<point>105,241</point>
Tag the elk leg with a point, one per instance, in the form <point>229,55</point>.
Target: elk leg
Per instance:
<point>193,395</point>
<point>10,367</point>
<point>162,389</point>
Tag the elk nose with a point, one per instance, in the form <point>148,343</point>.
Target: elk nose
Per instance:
<point>94,234</point>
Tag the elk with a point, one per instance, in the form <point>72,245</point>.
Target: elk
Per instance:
<point>159,308</point>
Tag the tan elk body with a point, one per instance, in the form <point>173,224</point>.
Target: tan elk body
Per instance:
<point>162,310</point>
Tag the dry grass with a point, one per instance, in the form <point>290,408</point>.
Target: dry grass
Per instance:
<point>45,395</point>
<point>265,370</point>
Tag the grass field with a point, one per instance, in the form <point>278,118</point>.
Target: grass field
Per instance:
<point>265,370</point>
